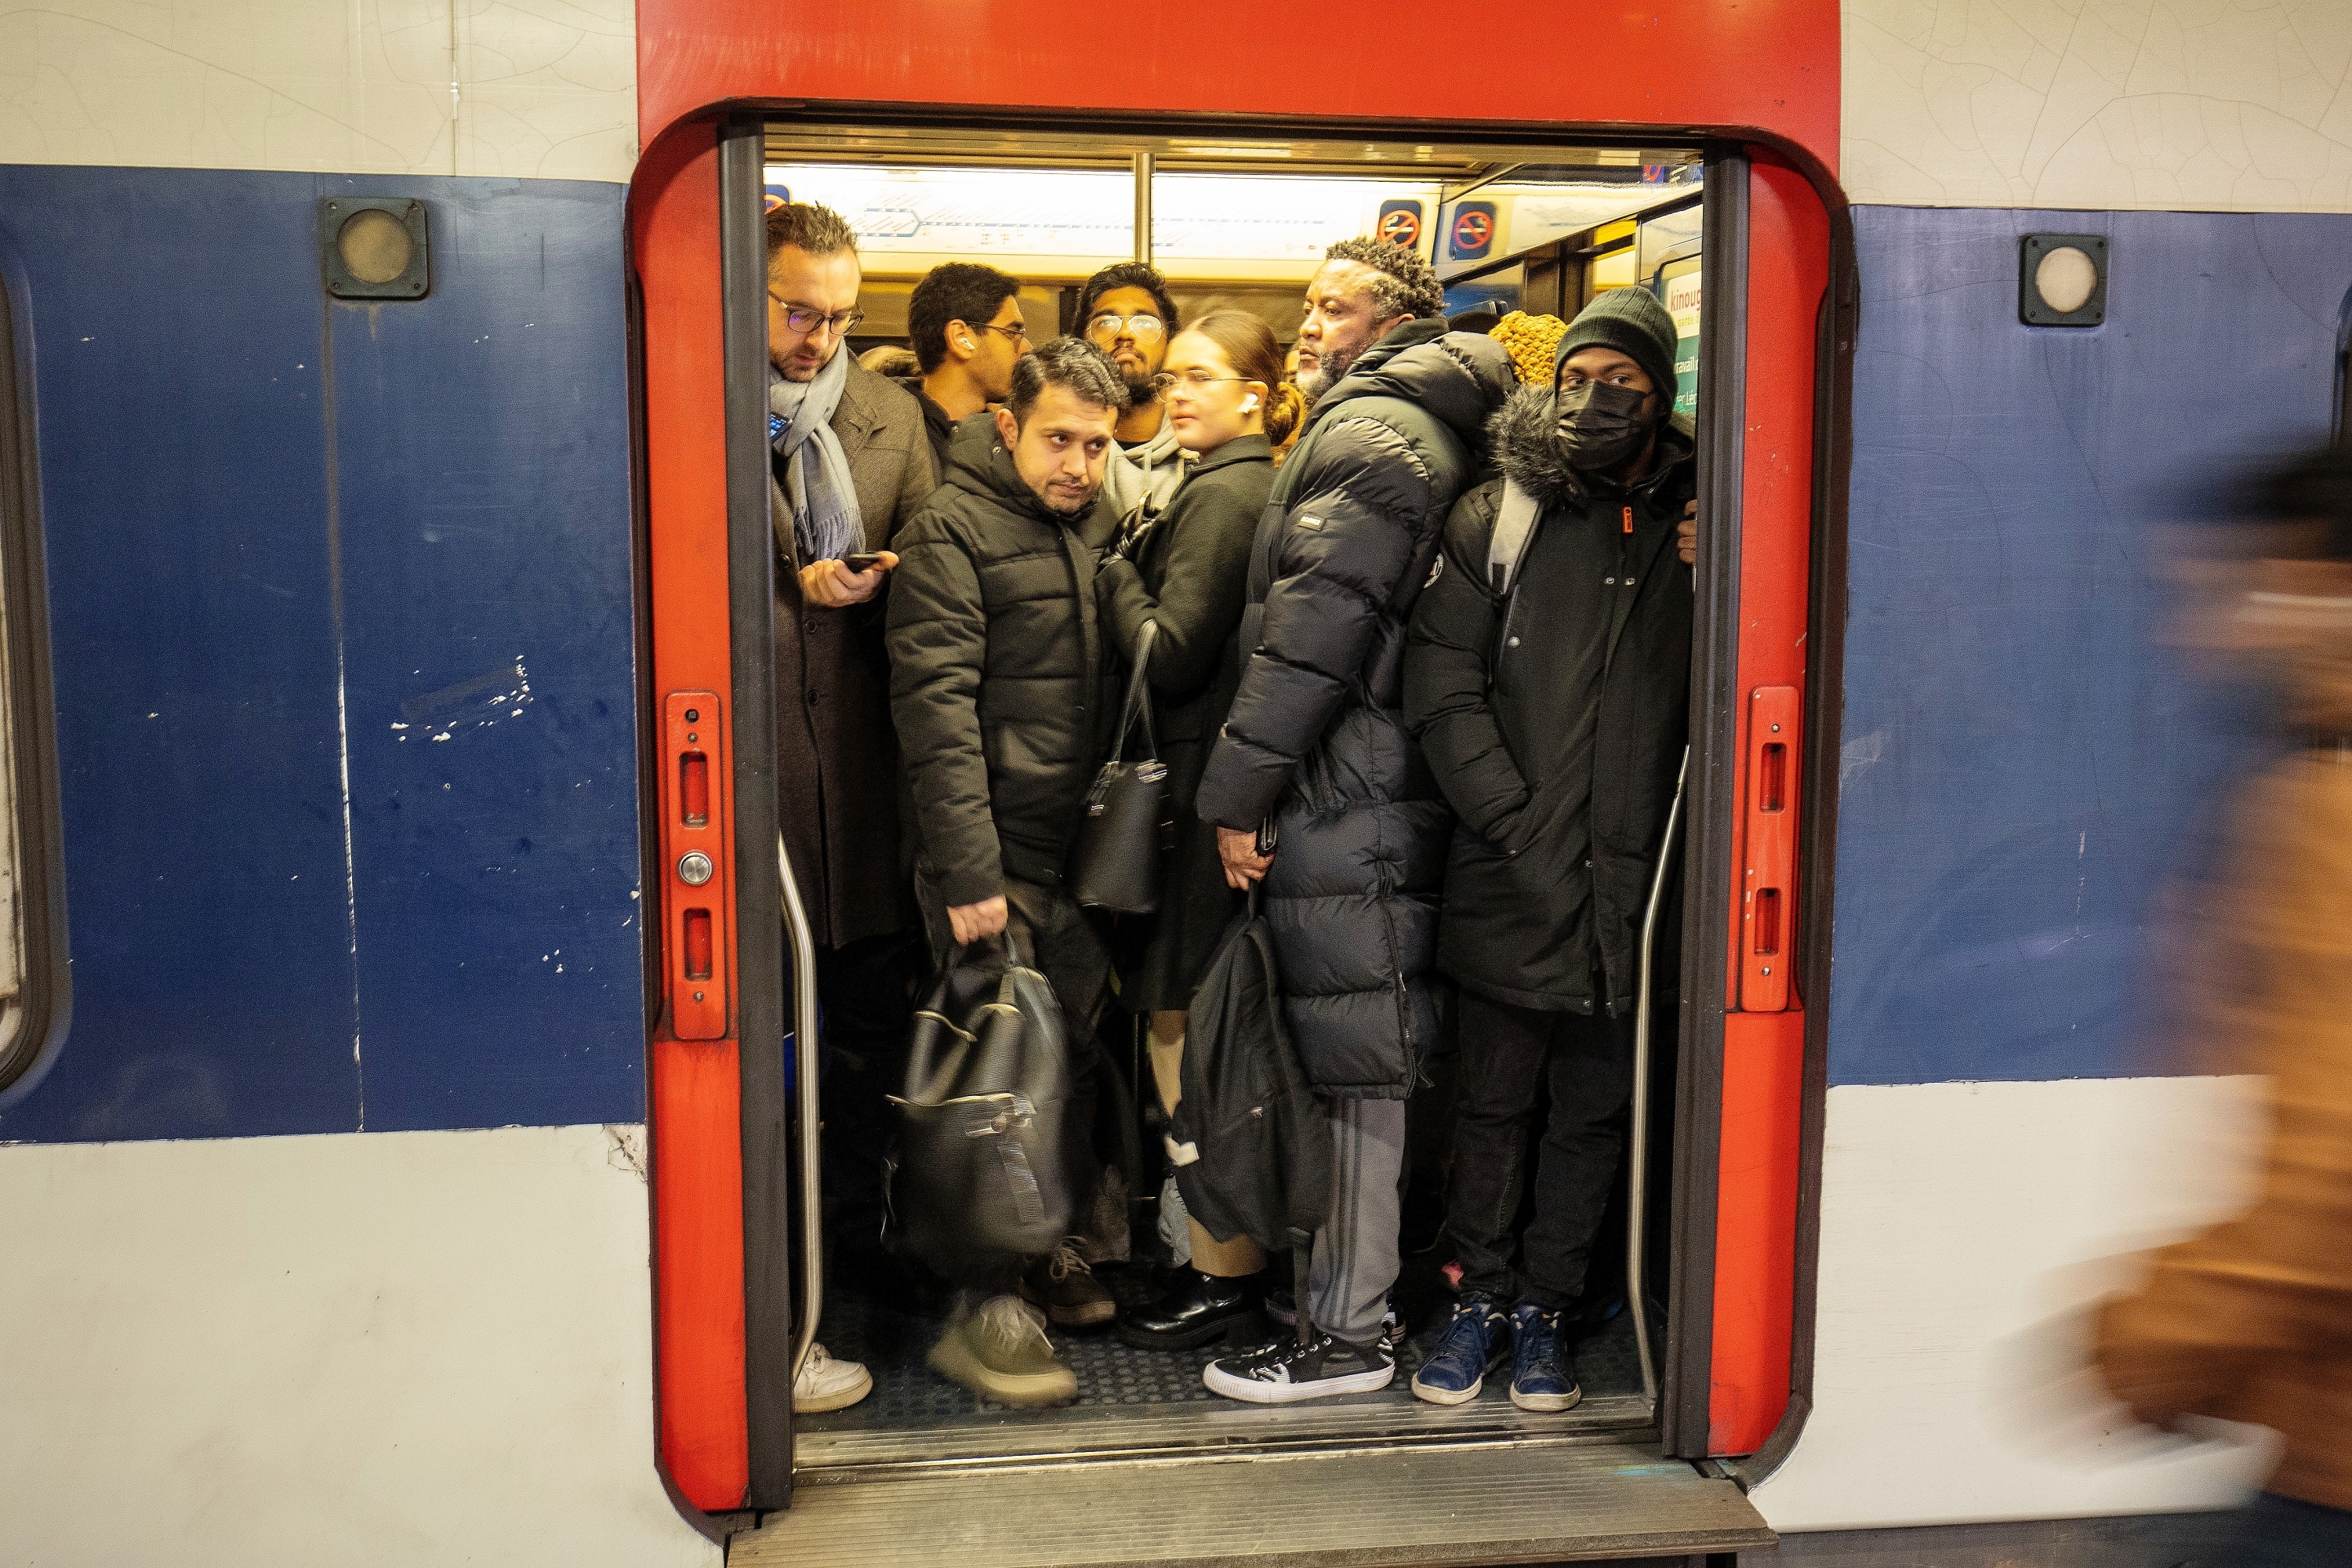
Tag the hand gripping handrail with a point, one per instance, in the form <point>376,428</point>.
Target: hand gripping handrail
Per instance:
<point>804,941</point>
<point>1637,1164</point>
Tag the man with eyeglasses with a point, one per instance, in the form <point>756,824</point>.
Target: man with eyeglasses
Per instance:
<point>1125,311</point>
<point>964,323</point>
<point>849,463</point>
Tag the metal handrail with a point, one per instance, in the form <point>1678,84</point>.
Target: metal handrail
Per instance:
<point>804,941</point>
<point>1638,1174</point>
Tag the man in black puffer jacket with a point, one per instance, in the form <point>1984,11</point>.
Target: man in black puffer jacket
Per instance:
<point>1314,743</point>
<point>996,677</point>
<point>1554,706</point>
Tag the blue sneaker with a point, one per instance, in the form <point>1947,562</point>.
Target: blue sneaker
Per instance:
<point>1471,1347</point>
<point>1543,1375</point>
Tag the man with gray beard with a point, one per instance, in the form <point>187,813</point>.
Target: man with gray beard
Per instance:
<point>1317,787</point>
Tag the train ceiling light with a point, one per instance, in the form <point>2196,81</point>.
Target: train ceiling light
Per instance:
<point>2062,280</point>
<point>373,248</point>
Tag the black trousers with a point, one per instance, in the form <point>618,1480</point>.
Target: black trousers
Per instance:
<point>1506,1054</point>
<point>867,990</point>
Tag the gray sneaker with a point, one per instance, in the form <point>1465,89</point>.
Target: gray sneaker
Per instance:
<point>1001,1352</point>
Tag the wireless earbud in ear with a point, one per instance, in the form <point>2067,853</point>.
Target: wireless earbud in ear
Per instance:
<point>1251,406</point>
<point>967,345</point>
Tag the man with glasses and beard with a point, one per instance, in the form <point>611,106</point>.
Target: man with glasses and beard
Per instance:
<point>848,466</point>
<point>1126,311</point>
<point>1315,749</point>
<point>992,614</point>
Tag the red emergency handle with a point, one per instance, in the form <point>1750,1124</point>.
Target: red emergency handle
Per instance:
<point>1769,887</point>
<point>695,870</point>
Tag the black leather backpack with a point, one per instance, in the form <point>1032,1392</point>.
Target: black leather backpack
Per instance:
<point>987,1134</point>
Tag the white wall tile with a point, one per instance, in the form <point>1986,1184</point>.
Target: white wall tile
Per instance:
<point>426,87</point>
<point>2186,105</point>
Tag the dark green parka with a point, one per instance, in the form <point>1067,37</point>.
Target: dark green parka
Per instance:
<point>996,673</point>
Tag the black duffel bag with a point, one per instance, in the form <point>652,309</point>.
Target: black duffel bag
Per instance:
<point>1130,815</point>
<point>987,1129</point>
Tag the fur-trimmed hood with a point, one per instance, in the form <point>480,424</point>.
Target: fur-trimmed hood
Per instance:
<point>1522,435</point>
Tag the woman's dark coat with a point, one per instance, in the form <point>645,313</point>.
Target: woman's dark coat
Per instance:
<point>836,756</point>
<point>1190,574</point>
<point>1556,720</point>
<point>1314,738</point>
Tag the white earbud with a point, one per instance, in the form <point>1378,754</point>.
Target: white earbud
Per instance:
<point>1251,406</point>
<point>967,345</point>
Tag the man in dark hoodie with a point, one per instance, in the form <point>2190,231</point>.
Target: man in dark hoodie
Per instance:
<point>996,671</point>
<point>1552,701</point>
<point>1315,747</point>
<point>964,323</point>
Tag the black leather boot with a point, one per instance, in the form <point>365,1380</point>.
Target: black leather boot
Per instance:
<point>1202,1307</point>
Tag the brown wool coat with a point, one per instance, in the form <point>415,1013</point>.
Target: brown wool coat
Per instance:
<point>836,754</point>
<point>2252,1320</point>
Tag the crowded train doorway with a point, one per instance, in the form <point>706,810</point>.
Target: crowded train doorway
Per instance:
<point>1522,234</point>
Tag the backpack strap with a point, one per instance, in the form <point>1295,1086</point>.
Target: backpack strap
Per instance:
<point>1514,525</point>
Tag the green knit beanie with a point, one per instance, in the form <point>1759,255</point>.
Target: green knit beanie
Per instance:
<point>1635,325</point>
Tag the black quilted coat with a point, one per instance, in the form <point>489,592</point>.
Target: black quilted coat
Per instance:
<point>1315,740</point>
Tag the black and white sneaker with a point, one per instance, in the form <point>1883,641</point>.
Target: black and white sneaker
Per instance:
<point>1283,1371</point>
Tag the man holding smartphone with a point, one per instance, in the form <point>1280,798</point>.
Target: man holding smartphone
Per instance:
<point>849,462</point>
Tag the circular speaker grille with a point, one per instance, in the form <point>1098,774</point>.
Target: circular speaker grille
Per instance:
<point>375,245</point>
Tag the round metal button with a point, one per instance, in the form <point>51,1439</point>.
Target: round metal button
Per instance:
<point>694,868</point>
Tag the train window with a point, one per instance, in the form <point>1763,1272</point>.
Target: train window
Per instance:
<point>1521,237</point>
<point>32,968</point>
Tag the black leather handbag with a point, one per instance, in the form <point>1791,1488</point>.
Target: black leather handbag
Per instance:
<point>1130,818</point>
<point>987,1127</point>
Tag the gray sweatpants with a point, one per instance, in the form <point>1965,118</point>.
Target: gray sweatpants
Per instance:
<point>1354,1260</point>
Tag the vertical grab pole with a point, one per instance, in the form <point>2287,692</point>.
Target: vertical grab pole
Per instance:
<point>1143,165</point>
<point>1638,1173</point>
<point>804,941</point>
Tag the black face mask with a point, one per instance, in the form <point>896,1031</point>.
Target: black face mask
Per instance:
<point>1600,425</point>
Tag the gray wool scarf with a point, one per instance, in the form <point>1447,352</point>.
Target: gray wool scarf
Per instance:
<point>826,524</point>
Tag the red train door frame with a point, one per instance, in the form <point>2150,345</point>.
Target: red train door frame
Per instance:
<point>717,1115</point>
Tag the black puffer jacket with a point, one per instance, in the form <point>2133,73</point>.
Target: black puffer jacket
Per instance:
<point>1557,748</point>
<point>996,667</point>
<point>1314,738</point>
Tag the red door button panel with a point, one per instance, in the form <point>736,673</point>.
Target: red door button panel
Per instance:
<point>695,870</point>
<point>1769,887</point>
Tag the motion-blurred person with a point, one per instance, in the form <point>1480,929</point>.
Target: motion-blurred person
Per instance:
<point>1554,715</point>
<point>991,615</point>
<point>1283,446</point>
<point>2252,1320</point>
<point>964,323</point>
<point>1187,570</point>
<point>1127,312</point>
<point>1314,743</point>
<point>848,464</point>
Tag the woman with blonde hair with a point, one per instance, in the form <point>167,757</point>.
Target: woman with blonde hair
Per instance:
<point>1187,569</point>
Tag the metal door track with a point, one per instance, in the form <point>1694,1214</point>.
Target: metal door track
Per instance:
<point>1543,1501</point>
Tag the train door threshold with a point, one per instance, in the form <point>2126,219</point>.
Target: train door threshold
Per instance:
<point>1563,1497</point>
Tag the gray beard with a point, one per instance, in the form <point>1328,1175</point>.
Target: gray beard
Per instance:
<point>1327,373</point>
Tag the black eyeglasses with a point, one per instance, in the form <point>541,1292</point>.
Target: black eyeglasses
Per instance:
<point>1019,333</point>
<point>806,319</point>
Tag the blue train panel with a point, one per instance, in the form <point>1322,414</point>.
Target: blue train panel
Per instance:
<point>294,541</point>
<point>2024,766</point>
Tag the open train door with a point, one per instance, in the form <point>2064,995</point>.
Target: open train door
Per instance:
<point>1758,92</point>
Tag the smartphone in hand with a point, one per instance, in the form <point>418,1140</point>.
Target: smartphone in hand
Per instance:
<point>864,561</point>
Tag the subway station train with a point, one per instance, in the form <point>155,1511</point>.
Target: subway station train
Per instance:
<point>387,1177</point>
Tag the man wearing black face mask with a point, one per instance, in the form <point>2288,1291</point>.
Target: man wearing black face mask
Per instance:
<point>1549,686</point>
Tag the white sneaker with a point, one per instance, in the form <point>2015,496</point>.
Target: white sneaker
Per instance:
<point>826,1383</point>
